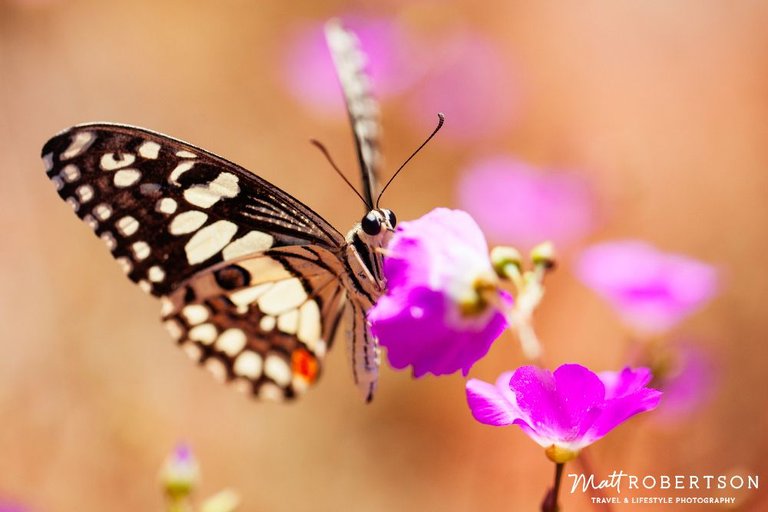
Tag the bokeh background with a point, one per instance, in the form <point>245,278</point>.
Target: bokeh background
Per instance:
<point>658,109</point>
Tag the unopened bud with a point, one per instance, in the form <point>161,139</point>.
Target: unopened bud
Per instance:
<point>180,473</point>
<point>544,255</point>
<point>504,259</point>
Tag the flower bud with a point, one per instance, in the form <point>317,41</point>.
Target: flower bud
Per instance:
<point>180,473</point>
<point>544,255</point>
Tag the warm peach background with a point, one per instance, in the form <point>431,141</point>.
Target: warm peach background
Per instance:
<point>663,104</point>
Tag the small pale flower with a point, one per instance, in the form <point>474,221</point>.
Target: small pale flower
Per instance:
<point>566,410</point>
<point>180,473</point>
<point>436,316</point>
<point>651,290</point>
<point>517,203</point>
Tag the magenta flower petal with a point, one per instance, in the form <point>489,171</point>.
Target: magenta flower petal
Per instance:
<point>651,290</point>
<point>308,70</point>
<point>431,268</point>
<point>519,204</point>
<point>493,404</point>
<point>568,409</point>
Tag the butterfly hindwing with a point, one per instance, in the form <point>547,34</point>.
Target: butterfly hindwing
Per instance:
<point>263,322</point>
<point>167,209</point>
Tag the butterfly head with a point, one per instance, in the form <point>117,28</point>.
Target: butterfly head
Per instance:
<point>378,222</point>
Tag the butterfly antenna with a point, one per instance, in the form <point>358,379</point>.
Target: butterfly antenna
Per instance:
<point>319,145</point>
<point>441,120</point>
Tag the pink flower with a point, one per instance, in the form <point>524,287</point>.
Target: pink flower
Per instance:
<point>433,317</point>
<point>309,73</point>
<point>473,83</point>
<point>519,204</point>
<point>563,411</point>
<point>688,381</point>
<point>650,289</point>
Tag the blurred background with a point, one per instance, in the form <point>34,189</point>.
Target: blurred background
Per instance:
<point>623,120</point>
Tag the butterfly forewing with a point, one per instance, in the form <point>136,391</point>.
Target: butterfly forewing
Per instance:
<point>362,107</point>
<point>167,209</point>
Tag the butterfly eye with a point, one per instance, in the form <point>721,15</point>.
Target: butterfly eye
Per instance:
<point>371,224</point>
<point>391,217</point>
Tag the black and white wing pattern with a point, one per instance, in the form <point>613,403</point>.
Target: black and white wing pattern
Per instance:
<point>249,276</point>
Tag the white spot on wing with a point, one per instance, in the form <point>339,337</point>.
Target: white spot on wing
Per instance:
<point>284,295</point>
<point>70,173</point>
<point>92,223</point>
<point>149,149</point>
<point>267,323</point>
<point>111,162</point>
<point>278,370</point>
<point>57,182</point>
<point>71,201</point>
<point>166,205</point>
<point>140,250</point>
<point>288,322</point>
<point>205,196</point>
<point>79,143</point>
<point>309,324</point>
<point>48,162</point>
<point>102,212</point>
<point>231,341</point>
<point>247,296</point>
<point>187,222</point>
<point>156,274</point>
<point>252,242</point>
<point>217,369</point>
<point>248,364</point>
<point>84,193</point>
<point>126,177</point>
<point>125,264</point>
<point>127,225</point>
<point>209,241</point>
<point>173,328</point>
<point>109,239</point>
<point>179,170</point>
<point>145,285</point>
<point>193,350</point>
<point>204,333</point>
<point>271,393</point>
<point>185,154</point>
<point>195,313</point>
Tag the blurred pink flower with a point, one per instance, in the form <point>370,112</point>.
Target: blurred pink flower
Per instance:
<point>566,410</point>
<point>473,83</point>
<point>432,317</point>
<point>308,69</point>
<point>651,290</point>
<point>688,382</point>
<point>518,204</point>
<point>10,506</point>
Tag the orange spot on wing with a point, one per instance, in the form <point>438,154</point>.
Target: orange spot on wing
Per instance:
<point>304,364</point>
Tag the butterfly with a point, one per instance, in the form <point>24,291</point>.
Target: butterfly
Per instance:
<point>253,283</point>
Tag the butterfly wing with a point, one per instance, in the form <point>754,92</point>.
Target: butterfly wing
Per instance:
<point>263,322</point>
<point>248,275</point>
<point>362,107</point>
<point>168,210</point>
